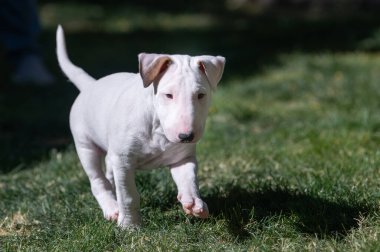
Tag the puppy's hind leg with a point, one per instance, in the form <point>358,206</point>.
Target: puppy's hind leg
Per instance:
<point>91,159</point>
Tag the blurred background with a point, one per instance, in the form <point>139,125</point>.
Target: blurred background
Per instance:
<point>104,37</point>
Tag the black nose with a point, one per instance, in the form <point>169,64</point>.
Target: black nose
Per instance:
<point>185,138</point>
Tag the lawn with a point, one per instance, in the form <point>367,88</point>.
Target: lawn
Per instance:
<point>289,162</point>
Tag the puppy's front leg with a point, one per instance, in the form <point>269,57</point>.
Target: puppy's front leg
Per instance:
<point>185,177</point>
<point>128,198</point>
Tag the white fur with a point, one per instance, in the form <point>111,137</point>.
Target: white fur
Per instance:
<point>134,121</point>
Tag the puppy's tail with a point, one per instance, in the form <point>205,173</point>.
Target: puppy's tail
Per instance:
<point>75,74</point>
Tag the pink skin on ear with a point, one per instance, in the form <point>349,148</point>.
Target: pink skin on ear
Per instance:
<point>201,67</point>
<point>165,66</point>
<point>152,65</point>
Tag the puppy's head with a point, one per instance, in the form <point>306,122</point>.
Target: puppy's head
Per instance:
<point>183,87</point>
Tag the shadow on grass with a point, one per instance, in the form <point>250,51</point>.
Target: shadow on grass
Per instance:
<point>316,216</point>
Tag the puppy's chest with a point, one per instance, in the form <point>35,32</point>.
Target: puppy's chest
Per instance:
<point>159,154</point>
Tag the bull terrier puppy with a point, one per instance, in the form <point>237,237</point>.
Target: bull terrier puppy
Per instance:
<point>141,121</point>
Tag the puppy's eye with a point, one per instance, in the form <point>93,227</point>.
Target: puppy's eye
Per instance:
<point>169,96</point>
<point>200,96</point>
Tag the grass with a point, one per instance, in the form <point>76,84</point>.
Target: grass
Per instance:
<point>289,162</point>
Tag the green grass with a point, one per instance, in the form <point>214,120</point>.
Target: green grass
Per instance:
<point>289,162</point>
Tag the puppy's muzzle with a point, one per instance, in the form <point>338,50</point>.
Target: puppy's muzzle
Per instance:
<point>186,138</point>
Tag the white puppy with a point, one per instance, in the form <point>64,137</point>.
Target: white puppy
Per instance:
<point>141,121</point>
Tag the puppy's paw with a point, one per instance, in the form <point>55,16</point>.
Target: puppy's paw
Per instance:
<point>111,214</point>
<point>110,208</point>
<point>193,206</point>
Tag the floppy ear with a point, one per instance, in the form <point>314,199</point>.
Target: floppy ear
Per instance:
<point>212,67</point>
<point>151,66</point>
